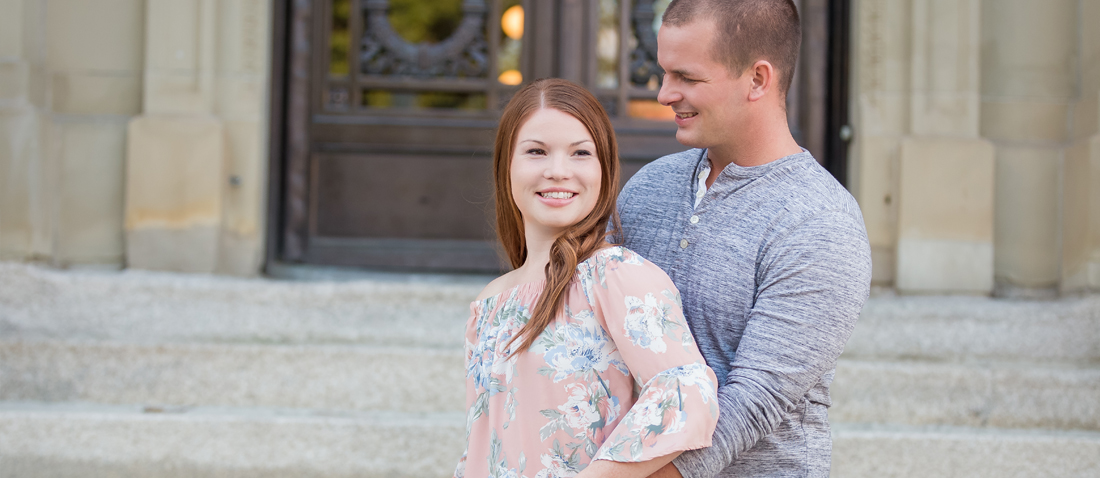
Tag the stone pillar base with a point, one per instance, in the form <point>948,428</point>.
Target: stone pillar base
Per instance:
<point>174,192</point>
<point>945,216</point>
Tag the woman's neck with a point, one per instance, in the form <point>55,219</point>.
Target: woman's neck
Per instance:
<point>538,254</point>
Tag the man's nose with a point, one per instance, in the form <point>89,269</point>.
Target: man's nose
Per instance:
<point>668,94</point>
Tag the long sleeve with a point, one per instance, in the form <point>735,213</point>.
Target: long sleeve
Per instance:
<point>676,408</point>
<point>812,285</point>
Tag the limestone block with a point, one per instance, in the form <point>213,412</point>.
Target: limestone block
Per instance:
<point>1040,64</point>
<point>1085,119</point>
<point>21,207</point>
<point>883,113</point>
<point>83,93</point>
<point>13,80</point>
<point>1027,226</point>
<point>882,41</point>
<point>243,37</point>
<point>105,35</point>
<point>945,216</point>
<point>180,56</point>
<point>241,250</point>
<point>1081,217</point>
<point>241,98</point>
<point>945,69</point>
<point>174,180</point>
<point>90,167</point>
<point>1025,119</point>
<point>877,157</point>
<point>11,28</point>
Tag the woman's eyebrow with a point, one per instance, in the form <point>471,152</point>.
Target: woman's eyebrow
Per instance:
<point>532,141</point>
<point>581,142</point>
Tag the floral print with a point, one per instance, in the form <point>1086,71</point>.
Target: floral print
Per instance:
<point>616,376</point>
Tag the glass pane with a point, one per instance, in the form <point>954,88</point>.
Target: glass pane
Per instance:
<point>650,110</point>
<point>429,21</point>
<point>511,43</point>
<point>414,100</point>
<point>339,39</point>
<point>607,45</point>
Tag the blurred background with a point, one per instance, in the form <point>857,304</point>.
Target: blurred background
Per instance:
<point>162,162</point>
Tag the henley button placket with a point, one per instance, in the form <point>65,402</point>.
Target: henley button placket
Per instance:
<point>683,243</point>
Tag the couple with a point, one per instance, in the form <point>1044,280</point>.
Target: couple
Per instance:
<point>586,360</point>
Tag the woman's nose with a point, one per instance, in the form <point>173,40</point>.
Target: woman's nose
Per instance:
<point>557,168</point>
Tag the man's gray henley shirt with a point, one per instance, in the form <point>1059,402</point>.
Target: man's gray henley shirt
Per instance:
<point>774,267</point>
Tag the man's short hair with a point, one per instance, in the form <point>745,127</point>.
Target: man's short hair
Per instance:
<point>748,31</point>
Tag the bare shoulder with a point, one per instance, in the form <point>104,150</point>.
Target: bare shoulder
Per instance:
<point>501,284</point>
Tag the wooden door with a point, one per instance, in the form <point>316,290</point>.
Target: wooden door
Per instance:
<point>386,109</point>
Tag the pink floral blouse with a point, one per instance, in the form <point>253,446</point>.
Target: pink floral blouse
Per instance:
<point>617,376</point>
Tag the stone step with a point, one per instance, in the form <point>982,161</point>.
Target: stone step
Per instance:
<point>75,440</point>
<point>156,307</point>
<point>960,328</point>
<point>998,395</point>
<point>904,452</point>
<point>426,310</point>
<point>90,441</point>
<point>407,379</point>
<point>332,377</point>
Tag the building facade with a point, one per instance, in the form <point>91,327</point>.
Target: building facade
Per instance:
<point>225,136</point>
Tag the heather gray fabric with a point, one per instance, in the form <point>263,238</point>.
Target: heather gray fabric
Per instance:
<point>773,276</point>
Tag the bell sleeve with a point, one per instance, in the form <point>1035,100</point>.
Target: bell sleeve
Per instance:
<point>676,407</point>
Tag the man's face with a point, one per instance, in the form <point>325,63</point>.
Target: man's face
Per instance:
<point>708,100</point>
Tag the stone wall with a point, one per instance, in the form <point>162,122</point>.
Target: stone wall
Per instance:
<point>975,157</point>
<point>132,132</point>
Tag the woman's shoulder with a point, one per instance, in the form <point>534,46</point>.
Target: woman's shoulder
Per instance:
<point>505,283</point>
<point>619,263</point>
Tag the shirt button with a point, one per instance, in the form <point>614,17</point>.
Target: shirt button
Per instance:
<point>683,243</point>
<point>700,193</point>
<point>694,219</point>
<point>702,174</point>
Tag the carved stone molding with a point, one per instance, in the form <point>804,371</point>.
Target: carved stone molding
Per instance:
<point>464,54</point>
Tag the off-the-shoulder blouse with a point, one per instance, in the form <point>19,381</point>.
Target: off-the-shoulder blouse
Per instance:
<point>616,376</point>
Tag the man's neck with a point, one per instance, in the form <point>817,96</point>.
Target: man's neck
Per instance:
<point>758,150</point>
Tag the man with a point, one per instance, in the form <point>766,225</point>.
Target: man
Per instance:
<point>768,251</point>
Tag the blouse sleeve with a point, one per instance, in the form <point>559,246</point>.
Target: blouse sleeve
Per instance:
<point>676,407</point>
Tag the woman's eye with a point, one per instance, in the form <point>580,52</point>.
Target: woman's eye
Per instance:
<point>536,151</point>
<point>582,152</point>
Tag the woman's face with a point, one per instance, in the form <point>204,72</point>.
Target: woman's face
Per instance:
<point>555,173</point>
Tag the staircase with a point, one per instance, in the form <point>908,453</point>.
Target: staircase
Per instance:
<point>139,374</point>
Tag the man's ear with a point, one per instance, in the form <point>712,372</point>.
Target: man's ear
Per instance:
<point>763,79</point>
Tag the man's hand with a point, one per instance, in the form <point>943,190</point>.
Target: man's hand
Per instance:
<point>667,471</point>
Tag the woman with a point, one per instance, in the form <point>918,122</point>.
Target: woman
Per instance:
<point>556,348</point>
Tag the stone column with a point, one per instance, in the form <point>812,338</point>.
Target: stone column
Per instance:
<point>1028,84</point>
<point>880,82</point>
<point>70,79</point>
<point>1080,261</point>
<point>946,173</point>
<point>195,164</point>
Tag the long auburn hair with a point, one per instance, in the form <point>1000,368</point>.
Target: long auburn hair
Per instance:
<point>582,239</point>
